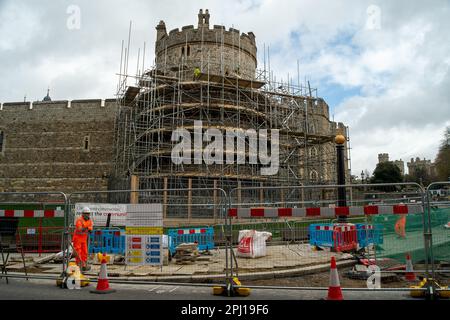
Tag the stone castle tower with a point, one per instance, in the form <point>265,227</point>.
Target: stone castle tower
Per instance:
<point>208,73</point>
<point>213,50</point>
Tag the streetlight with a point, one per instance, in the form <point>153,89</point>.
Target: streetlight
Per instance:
<point>342,198</point>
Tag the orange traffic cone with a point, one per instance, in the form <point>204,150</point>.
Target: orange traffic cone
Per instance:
<point>334,290</point>
<point>103,283</point>
<point>409,275</point>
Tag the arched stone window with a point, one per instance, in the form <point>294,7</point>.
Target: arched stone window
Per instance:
<point>313,176</point>
<point>313,152</point>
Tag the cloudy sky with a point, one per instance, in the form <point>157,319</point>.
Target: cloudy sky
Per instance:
<point>382,66</point>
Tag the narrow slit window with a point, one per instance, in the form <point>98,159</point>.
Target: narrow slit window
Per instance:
<point>188,51</point>
<point>86,143</point>
<point>2,137</point>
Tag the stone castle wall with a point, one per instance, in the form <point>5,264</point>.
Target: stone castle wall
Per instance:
<point>45,148</point>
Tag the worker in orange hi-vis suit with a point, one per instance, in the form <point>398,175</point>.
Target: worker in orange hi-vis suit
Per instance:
<point>83,226</point>
<point>400,226</point>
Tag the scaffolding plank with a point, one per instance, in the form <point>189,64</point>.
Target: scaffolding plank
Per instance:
<point>241,83</point>
<point>131,94</point>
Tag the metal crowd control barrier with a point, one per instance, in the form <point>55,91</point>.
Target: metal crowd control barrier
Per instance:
<point>186,208</point>
<point>31,224</point>
<point>369,205</point>
<point>41,205</point>
<point>437,229</point>
<point>41,239</point>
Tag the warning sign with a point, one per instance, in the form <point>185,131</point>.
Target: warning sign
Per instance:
<point>143,214</point>
<point>143,230</point>
<point>100,211</point>
<point>144,250</point>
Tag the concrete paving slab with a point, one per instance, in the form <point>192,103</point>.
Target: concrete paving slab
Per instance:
<point>52,270</point>
<point>216,268</point>
<point>185,270</point>
<point>166,270</point>
<point>201,270</point>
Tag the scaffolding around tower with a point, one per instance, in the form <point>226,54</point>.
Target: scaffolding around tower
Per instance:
<point>196,79</point>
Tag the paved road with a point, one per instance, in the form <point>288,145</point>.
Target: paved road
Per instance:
<point>21,289</point>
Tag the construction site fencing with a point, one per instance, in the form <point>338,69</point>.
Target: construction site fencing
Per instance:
<point>40,239</point>
<point>31,227</point>
<point>384,223</point>
<point>148,223</point>
<point>437,233</point>
<point>390,221</point>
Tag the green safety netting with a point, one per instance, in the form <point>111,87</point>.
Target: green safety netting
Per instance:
<point>396,247</point>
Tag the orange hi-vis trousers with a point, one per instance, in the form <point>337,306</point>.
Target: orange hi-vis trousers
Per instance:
<point>81,248</point>
<point>80,239</point>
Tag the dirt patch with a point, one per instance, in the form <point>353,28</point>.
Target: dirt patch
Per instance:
<point>322,279</point>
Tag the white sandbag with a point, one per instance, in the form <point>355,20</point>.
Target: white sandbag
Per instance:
<point>252,243</point>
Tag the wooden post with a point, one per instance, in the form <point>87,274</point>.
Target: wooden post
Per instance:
<point>302,197</point>
<point>134,196</point>
<point>189,199</point>
<point>239,193</point>
<point>165,198</point>
<point>215,200</point>
<point>261,193</point>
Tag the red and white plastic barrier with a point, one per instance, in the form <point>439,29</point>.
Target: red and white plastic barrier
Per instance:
<point>340,228</point>
<point>191,231</point>
<point>325,212</point>
<point>32,213</point>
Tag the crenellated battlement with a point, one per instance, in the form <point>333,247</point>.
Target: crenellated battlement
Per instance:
<point>57,104</point>
<point>217,35</point>
<point>215,50</point>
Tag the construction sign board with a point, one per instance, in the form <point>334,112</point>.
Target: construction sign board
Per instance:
<point>100,211</point>
<point>143,214</point>
<point>144,250</point>
<point>144,234</point>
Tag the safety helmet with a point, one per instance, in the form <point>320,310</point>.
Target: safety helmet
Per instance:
<point>86,210</point>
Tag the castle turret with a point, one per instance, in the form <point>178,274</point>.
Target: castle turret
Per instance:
<point>203,19</point>
<point>161,30</point>
<point>216,51</point>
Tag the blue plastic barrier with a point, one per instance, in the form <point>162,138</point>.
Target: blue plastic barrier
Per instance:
<point>339,237</point>
<point>107,241</point>
<point>322,237</point>
<point>203,236</point>
<point>369,234</point>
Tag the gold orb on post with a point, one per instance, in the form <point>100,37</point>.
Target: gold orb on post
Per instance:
<point>339,139</point>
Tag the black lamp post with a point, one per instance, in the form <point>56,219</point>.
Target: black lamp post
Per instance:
<point>342,197</point>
